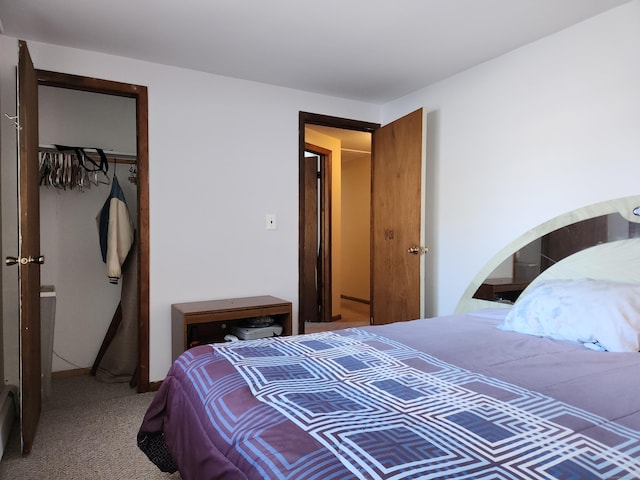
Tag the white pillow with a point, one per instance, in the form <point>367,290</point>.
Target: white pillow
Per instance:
<point>588,311</point>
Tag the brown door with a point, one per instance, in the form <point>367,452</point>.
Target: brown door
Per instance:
<point>315,236</point>
<point>29,248</point>
<point>309,295</point>
<point>397,220</point>
<point>29,229</point>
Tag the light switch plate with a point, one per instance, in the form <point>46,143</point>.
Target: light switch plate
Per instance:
<point>271,221</point>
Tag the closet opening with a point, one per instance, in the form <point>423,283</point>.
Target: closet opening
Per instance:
<point>101,323</point>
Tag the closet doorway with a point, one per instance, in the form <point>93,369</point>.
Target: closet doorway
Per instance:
<point>134,99</point>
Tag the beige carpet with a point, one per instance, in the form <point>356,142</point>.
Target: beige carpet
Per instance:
<point>87,431</point>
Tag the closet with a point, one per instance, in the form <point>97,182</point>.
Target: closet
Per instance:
<point>86,300</point>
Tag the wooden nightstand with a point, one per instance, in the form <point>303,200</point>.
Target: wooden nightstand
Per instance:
<point>500,289</point>
<point>210,321</point>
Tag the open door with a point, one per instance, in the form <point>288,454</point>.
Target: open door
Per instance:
<point>310,254</point>
<point>315,236</point>
<point>397,223</point>
<point>29,258</point>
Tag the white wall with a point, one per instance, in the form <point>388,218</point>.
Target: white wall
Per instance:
<point>78,118</point>
<point>528,136</point>
<point>356,227</point>
<point>209,191</point>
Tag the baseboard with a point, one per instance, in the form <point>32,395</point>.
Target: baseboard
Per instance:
<point>155,386</point>
<point>71,373</point>
<point>7,415</point>
<point>355,299</point>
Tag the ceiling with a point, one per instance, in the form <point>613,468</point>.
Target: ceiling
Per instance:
<point>368,50</point>
<point>354,144</point>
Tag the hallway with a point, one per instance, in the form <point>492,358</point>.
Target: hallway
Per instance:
<point>353,314</point>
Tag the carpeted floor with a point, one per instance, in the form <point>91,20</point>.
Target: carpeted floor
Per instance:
<point>87,430</point>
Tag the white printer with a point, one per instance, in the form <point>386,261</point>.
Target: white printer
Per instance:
<point>252,333</point>
<point>258,327</point>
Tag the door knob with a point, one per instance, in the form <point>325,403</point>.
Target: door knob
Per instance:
<point>24,260</point>
<point>415,250</point>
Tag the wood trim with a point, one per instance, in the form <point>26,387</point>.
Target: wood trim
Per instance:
<point>142,127</point>
<point>355,299</point>
<point>337,122</point>
<point>139,93</point>
<point>326,221</point>
<point>75,372</point>
<point>88,84</point>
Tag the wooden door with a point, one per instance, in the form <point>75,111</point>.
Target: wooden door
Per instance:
<point>29,248</point>
<point>397,221</point>
<point>309,278</point>
<point>315,237</point>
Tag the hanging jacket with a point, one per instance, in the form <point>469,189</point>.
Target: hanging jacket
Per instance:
<point>116,231</point>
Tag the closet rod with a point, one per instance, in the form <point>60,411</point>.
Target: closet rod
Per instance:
<point>111,156</point>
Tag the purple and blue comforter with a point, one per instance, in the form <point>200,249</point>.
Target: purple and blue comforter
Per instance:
<point>451,397</point>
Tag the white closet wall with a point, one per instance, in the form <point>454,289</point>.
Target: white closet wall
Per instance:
<point>85,300</point>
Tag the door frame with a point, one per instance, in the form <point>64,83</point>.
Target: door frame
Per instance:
<point>139,93</point>
<point>304,119</point>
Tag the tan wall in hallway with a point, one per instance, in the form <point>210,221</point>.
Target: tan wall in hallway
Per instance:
<point>356,227</point>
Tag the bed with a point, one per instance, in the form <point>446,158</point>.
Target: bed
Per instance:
<point>448,397</point>
<point>547,388</point>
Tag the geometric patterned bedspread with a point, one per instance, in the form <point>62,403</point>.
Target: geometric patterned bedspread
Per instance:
<point>387,411</point>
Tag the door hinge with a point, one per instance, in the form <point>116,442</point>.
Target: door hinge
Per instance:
<point>14,118</point>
